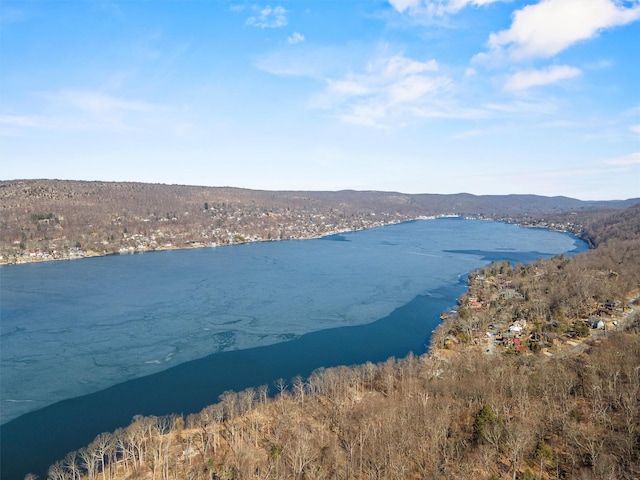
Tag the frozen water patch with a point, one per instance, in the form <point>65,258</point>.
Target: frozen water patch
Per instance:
<point>72,328</point>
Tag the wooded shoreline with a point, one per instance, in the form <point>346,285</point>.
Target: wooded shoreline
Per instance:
<point>539,408</point>
<point>55,219</point>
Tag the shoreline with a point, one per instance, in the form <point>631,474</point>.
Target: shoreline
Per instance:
<point>25,258</point>
<point>428,350</point>
<point>44,257</point>
<point>187,246</point>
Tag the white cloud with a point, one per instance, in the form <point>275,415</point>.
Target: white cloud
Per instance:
<point>81,110</point>
<point>635,128</point>
<point>522,108</point>
<point>316,61</point>
<point>368,114</point>
<point>601,64</point>
<point>404,5</point>
<point>525,79</point>
<point>295,38</point>
<point>386,91</point>
<point>481,132</point>
<point>630,159</point>
<point>413,88</point>
<point>398,65</point>
<point>20,121</point>
<point>16,125</point>
<point>561,124</point>
<point>77,110</point>
<point>268,17</point>
<point>546,28</point>
<point>97,103</point>
<point>389,88</point>
<point>347,87</point>
<point>436,7</point>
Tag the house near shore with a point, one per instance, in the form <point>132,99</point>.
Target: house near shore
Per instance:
<point>474,303</point>
<point>517,326</point>
<point>509,293</point>
<point>511,341</point>
<point>611,305</point>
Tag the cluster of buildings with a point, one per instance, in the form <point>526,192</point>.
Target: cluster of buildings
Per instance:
<point>224,227</point>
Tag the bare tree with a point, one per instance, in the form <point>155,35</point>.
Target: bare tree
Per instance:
<point>71,465</point>
<point>246,399</point>
<point>281,386</point>
<point>56,472</point>
<point>229,400</point>
<point>100,447</point>
<point>300,452</point>
<point>517,439</point>
<point>298,388</point>
<point>89,461</point>
<point>263,393</point>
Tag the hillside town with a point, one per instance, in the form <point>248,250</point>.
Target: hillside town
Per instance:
<point>45,220</point>
<point>228,227</point>
<point>497,314</point>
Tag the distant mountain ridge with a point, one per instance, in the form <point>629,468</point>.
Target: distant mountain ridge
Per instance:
<point>54,219</point>
<point>523,204</point>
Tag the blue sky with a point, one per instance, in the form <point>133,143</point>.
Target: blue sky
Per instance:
<point>417,96</point>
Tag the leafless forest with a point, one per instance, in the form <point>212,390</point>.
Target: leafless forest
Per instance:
<point>565,404</point>
<point>55,219</point>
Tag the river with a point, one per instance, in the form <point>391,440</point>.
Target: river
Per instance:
<point>88,344</point>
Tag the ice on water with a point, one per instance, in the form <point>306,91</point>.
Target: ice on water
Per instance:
<point>72,328</point>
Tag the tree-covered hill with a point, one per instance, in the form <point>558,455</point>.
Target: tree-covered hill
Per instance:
<point>57,219</point>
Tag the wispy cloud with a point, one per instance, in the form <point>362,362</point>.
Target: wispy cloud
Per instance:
<point>436,7</point>
<point>16,125</point>
<point>480,132</point>
<point>79,110</point>
<point>268,17</point>
<point>520,108</point>
<point>383,89</point>
<point>20,121</point>
<point>525,79</point>
<point>561,123</point>
<point>318,62</point>
<point>601,64</point>
<point>630,159</point>
<point>389,87</point>
<point>296,37</point>
<point>544,29</point>
<point>97,103</point>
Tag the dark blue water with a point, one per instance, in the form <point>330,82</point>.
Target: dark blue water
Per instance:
<point>86,345</point>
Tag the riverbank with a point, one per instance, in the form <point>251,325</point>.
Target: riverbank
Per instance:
<point>145,245</point>
<point>549,307</point>
<point>39,256</point>
<point>56,219</point>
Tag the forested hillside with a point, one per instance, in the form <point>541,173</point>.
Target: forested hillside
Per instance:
<point>55,219</point>
<point>563,401</point>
